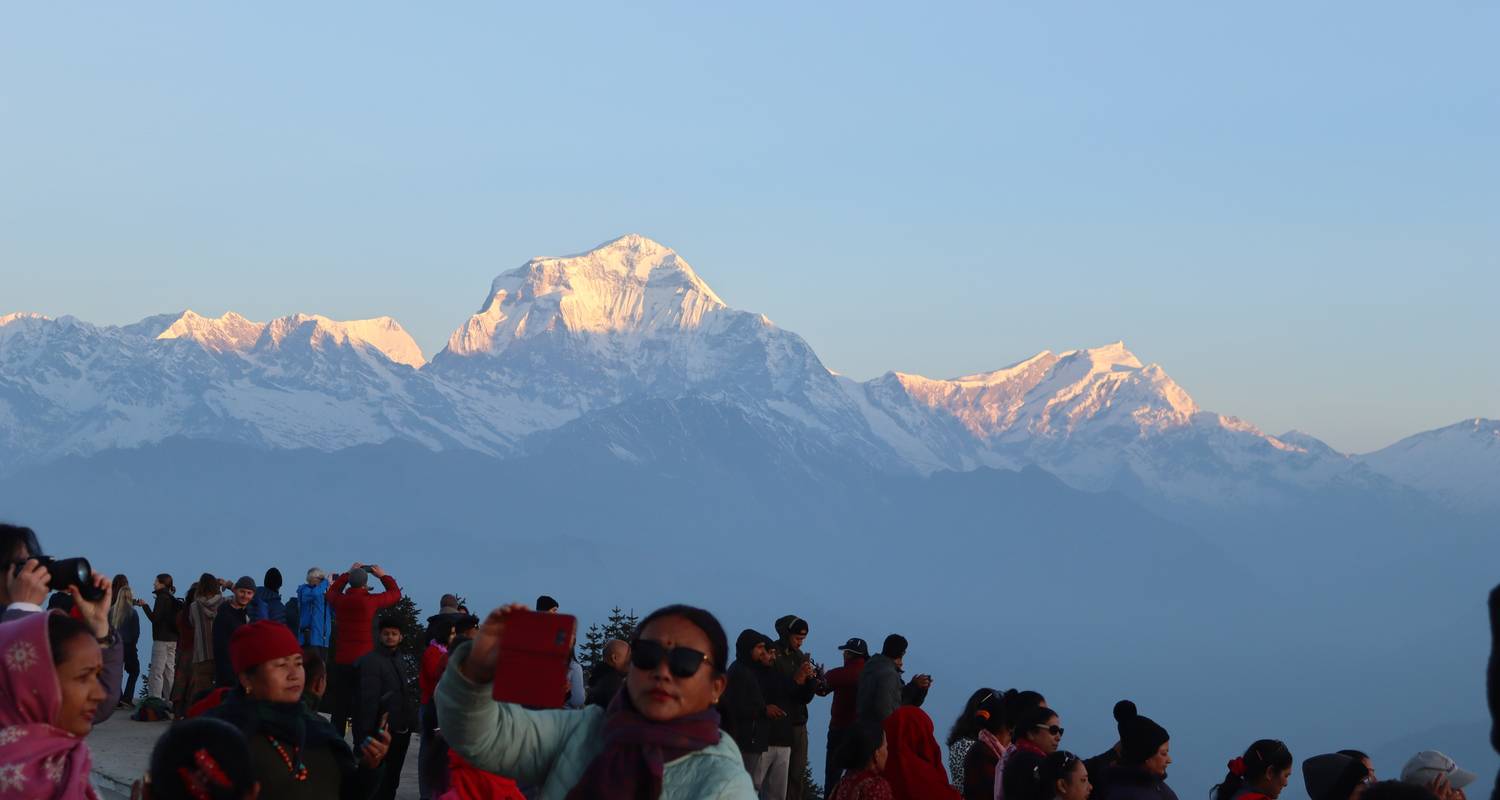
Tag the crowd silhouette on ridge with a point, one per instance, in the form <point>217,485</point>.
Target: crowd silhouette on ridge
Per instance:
<point>317,697</point>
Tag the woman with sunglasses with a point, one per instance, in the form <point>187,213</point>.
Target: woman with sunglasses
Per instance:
<point>1063,776</point>
<point>659,738</point>
<point>1036,734</point>
<point>1260,774</point>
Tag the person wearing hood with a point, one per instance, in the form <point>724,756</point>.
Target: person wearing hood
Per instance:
<point>268,604</point>
<point>742,708</point>
<point>231,617</point>
<point>1260,774</point>
<point>208,596</point>
<point>354,609</point>
<point>1145,754</point>
<point>295,753</point>
<point>314,620</point>
<point>914,767</point>
<point>881,689</point>
<point>1336,776</point>
<point>793,663</point>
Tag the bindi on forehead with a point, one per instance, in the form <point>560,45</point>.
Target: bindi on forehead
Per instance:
<point>675,631</point>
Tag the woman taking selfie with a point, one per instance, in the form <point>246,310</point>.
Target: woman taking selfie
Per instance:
<point>659,738</point>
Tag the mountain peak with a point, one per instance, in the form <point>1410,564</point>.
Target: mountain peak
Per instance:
<point>631,284</point>
<point>16,316</point>
<point>1109,356</point>
<point>383,334</point>
<point>230,333</point>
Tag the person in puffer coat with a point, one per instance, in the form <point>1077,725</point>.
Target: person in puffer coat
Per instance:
<point>660,737</point>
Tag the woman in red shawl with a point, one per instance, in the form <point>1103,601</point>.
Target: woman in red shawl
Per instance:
<point>49,695</point>
<point>915,765</point>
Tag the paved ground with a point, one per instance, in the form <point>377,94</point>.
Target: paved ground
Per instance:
<point>121,748</point>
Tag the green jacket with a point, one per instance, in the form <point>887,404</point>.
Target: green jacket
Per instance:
<point>551,749</point>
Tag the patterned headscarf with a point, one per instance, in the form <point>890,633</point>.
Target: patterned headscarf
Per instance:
<point>37,759</point>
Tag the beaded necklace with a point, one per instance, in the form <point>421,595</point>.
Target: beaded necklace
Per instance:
<point>299,770</point>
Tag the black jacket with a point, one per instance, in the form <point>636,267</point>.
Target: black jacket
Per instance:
<point>604,684</point>
<point>1019,775</point>
<point>742,708</point>
<point>163,615</point>
<point>1135,783</point>
<point>226,623</point>
<point>788,663</point>
<point>387,685</point>
<point>781,691</point>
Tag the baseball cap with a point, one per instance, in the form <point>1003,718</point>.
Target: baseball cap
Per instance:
<point>1428,764</point>
<point>856,646</point>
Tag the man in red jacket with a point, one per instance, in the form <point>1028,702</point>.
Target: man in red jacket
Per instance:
<point>843,684</point>
<point>354,609</point>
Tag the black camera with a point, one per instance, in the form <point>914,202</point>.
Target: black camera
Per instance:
<point>67,572</point>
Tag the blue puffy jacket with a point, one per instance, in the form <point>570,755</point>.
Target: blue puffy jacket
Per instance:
<point>317,622</point>
<point>267,605</point>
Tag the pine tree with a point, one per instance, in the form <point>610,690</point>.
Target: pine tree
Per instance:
<point>810,789</point>
<point>593,650</point>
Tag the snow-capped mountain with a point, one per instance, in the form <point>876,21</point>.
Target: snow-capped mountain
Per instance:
<point>1459,464</point>
<point>1099,419</point>
<point>626,350</point>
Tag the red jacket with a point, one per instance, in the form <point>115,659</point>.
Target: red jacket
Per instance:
<point>844,683</point>
<point>434,661</point>
<point>354,613</point>
<point>915,765</point>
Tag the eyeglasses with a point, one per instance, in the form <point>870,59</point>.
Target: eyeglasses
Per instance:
<point>1052,729</point>
<point>682,661</point>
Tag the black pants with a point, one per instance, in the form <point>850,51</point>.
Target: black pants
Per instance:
<point>831,769</point>
<point>343,687</point>
<point>390,769</point>
<point>133,670</point>
<point>432,757</point>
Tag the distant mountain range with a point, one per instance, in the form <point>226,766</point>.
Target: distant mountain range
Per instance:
<point>573,352</point>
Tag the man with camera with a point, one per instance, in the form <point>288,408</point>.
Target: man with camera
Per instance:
<point>30,575</point>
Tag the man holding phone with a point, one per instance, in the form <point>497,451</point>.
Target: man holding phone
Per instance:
<point>388,700</point>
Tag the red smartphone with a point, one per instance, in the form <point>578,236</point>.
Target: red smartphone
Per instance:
<point>534,656</point>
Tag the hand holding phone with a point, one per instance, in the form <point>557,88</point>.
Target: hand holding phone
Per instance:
<point>479,667</point>
<point>531,666</point>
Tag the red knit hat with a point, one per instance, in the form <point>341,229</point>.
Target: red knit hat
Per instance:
<point>260,642</point>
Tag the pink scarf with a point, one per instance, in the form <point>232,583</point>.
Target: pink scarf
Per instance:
<point>37,759</point>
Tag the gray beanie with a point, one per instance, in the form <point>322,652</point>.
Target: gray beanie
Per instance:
<point>358,578</point>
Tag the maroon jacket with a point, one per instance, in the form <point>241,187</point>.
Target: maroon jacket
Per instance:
<point>354,614</point>
<point>844,683</point>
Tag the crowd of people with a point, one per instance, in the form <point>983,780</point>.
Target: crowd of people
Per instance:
<point>315,697</point>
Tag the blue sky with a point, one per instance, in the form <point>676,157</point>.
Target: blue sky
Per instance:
<point>1292,207</point>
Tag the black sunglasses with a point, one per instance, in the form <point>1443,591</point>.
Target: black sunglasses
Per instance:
<point>1052,729</point>
<point>682,661</point>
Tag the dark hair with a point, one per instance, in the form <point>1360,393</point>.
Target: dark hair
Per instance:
<point>166,580</point>
<point>1395,790</point>
<point>273,579</point>
<point>465,624</point>
<point>207,583</point>
<point>859,746</point>
<point>192,592</point>
<point>13,538</point>
<point>968,723</point>
<point>441,629</point>
<point>1357,755</point>
<point>1055,767</point>
<point>718,643</point>
<point>388,621</point>
<point>118,582</point>
<point>1263,755</point>
<point>178,752</point>
<point>894,646</point>
<point>313,666</point>
<point>545,603</point>
<point>1032,717</point>
<point>62,629</point>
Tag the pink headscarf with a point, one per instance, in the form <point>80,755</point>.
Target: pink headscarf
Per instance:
<point>37,759</point>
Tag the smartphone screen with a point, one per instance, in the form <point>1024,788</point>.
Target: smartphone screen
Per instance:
<point>534,655</point>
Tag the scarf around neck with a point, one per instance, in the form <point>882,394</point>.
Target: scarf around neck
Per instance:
<point>37,759</point>
<point>636,749</point>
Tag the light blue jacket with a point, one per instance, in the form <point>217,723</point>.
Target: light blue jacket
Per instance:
<point>551,749</point>
<point>312,604</point>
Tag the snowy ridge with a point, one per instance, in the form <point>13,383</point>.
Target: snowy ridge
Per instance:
<point>630,329</point>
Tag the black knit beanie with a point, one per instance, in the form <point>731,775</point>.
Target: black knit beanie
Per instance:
<point>1140,737</point>
<point>1332,776</point>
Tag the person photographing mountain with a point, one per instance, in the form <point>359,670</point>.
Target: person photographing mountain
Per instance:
<point>659,738</point>
<point>354,608</point>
